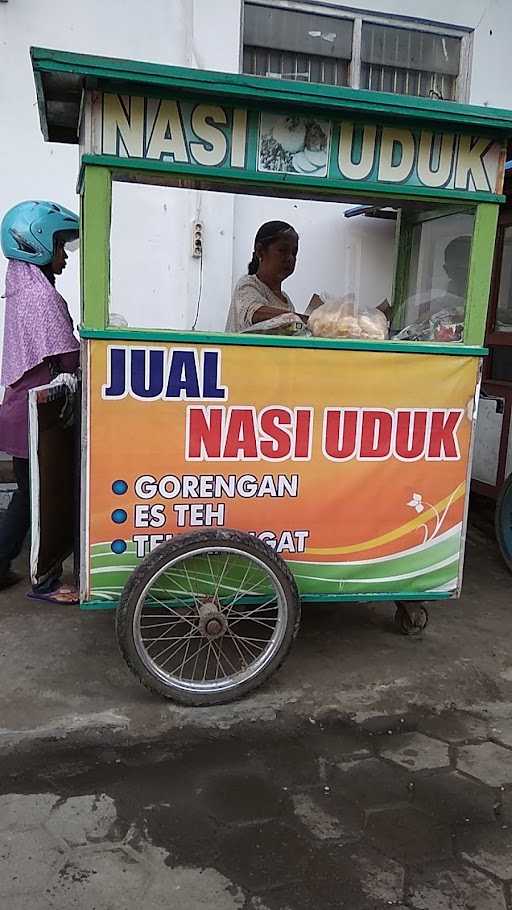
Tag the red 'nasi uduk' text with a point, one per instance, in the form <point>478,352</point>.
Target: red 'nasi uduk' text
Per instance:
<point>278,433</point>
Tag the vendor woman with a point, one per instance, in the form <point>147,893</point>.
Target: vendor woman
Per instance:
<point>258,296</point>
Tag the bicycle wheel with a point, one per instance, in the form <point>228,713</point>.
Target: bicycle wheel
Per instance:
<point>208,617</point>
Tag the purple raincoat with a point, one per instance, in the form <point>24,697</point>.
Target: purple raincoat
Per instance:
<point>37,327</point>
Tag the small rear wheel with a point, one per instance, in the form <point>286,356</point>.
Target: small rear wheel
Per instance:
<point>411,618</point>
<point>208,617</point>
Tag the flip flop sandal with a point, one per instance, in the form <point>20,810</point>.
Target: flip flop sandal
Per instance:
<point>62,595</point>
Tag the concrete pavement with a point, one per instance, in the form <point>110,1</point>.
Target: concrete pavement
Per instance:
<point>373,771</point>
<point>61,671</point>
<point>404,811</point>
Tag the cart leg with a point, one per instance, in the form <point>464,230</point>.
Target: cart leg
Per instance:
<point>410,617</point>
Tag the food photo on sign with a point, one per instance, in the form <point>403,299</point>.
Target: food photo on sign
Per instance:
<point>294,145</point>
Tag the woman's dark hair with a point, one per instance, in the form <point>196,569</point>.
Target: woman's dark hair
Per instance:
<point>48,271</point>
<point>267,234</point>
<point>60,237</point>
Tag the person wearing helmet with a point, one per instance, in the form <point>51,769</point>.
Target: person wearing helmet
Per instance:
<point>39,343</point>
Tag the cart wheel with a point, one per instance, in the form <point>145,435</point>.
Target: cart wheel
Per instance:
<point>503,521</point>
<point>411,619</point>
<point>208,617</point>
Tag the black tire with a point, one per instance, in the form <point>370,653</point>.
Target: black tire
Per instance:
<point>152,567</point>
<point>503,522</point>
<point>411,618</point>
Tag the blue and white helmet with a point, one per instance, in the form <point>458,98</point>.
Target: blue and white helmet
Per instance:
<point>29,230</point>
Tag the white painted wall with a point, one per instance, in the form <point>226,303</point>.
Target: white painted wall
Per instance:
<point>176,32</point>
<point>336,254</point>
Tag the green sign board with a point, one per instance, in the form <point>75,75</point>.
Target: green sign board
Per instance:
<point>297,148</point>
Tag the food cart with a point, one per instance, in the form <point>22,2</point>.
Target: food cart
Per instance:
<point>226,478</point>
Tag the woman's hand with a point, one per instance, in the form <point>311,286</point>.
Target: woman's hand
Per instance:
<point>268,312</point>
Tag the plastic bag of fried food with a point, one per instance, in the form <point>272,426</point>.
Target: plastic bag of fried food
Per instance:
<point>339,317</point>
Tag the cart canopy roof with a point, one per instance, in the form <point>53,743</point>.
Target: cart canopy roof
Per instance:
<point>61,77</point>
<point>238,133</point>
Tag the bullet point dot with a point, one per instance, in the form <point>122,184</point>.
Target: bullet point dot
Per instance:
<point>119,487</point>
<point>118,546</point>
<point>119,516</point>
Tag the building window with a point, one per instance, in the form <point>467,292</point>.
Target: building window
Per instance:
<point>297,40</point>
<point>409,62</point>
<point>289,44</point>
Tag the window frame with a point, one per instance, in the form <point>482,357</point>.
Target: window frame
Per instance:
<point>95,186</point>
<point>485,224</point>
<point>358,17</point>
<point>495,338</point>
<point>408,221</point>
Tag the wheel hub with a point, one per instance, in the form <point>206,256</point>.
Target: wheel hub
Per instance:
<point>212,623</point>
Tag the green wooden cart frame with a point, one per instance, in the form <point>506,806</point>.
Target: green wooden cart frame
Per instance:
<point>424,157</point>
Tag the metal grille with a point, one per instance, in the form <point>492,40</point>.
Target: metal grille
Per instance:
<point>284,41</point>
<point>298,67</point>
<point>403,81</point>
<point>408,61</point>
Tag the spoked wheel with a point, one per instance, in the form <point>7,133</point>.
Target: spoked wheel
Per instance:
<point>503,522</point>
<point>208,617</point>
<point>411,618</point>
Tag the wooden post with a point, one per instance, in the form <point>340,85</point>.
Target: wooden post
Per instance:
<point>95,240</point>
